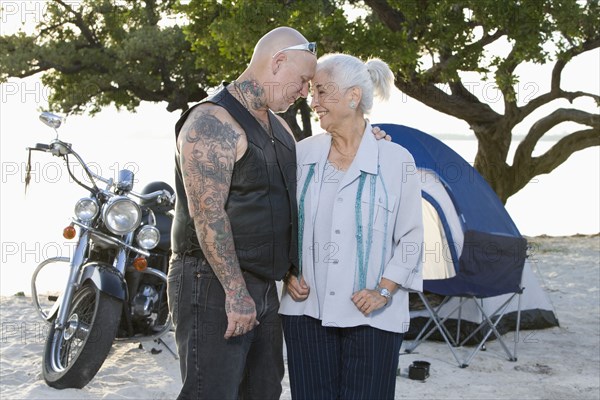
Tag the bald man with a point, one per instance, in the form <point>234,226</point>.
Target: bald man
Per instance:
<point>235,226</point>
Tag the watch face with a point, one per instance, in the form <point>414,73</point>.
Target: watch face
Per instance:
<point>385,293</point>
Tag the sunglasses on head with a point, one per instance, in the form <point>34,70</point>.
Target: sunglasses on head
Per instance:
<point>310,47</point>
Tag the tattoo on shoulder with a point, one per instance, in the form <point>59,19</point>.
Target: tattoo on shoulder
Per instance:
<point>207,127</point>
<point>207,166</point>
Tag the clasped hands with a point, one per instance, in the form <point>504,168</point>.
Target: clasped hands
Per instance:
<point>365,300</point>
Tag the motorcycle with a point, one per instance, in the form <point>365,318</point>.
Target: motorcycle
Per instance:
<point>117,273</point>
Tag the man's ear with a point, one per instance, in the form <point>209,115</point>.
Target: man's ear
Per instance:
<point>277,61</point>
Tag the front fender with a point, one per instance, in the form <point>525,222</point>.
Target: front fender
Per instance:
<point>105,278</point>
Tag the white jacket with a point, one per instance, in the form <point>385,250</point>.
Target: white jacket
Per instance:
<point>403,242</point>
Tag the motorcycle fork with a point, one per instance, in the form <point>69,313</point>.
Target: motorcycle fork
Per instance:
<point>121,261</point>
<point>73,280</point>
<point>120,264</point>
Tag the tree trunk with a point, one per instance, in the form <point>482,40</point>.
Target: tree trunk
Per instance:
<point>492,150</point>
<point>291,117</point>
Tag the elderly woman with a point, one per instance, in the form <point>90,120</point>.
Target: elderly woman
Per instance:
<point>360,237</point>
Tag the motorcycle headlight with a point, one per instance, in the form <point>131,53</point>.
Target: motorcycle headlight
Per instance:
<point>86,209</point>
<point>121,215</point>
<point>148,237</point>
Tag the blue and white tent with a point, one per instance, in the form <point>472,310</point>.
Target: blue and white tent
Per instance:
<point>464,219</point>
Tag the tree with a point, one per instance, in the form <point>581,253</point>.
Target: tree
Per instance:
<point>96,53</point>
<point>455,35</point>
<point>121,52</point>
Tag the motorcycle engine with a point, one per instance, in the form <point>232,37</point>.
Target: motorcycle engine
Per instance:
<point>144,301</point>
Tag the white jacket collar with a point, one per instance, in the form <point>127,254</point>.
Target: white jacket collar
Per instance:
<point>367,156</point>
<point>366,159</point>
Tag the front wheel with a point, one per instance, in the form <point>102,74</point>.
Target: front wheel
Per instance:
<point>73,354</point>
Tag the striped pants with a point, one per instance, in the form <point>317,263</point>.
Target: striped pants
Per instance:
<point>340,363</point>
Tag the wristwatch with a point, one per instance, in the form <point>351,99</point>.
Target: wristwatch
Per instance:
<point>385,293</point>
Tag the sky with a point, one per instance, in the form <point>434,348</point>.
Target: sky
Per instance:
<point>564,202</point>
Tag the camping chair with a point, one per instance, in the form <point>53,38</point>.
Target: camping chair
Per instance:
<point>489,265</point>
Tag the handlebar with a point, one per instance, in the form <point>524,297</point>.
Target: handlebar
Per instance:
<point>40,147</point>
<point>163,194</point>
<point>59,148</point>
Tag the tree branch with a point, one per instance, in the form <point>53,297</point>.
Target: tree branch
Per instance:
<point>150,9</point>
<point>458,89</point>
<point>434,72</point>
<point>555,91</point>
<point>507,69</point>
<point>181,99</point>
<point>29,72</point>
<point>390,17</point>
<point>66,69</point>
<point>49,28</point>
<point>79,22</point>
<point>567,56</point>
<point>565,147</point>
<point>176,100</point>
<point>526,147</point>
<point>474,113</point>
<point>573,95</point>
<point>551,96</point>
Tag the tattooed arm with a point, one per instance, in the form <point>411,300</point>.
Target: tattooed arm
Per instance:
<point>209,145</point>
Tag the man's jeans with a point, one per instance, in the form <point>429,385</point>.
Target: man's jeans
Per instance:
<point>246,367</point>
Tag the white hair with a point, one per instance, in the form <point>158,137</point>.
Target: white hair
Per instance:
<point>374,77</point>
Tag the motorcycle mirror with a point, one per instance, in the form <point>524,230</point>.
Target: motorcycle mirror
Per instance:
<point>51,120</point>
<point>126,180</point>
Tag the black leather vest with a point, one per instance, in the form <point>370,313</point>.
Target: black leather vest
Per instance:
<point>262,197</point>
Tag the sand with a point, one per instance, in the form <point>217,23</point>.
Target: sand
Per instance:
<point>557,363</point>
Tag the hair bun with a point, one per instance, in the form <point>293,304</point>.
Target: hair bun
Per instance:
<point>382,77</point>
